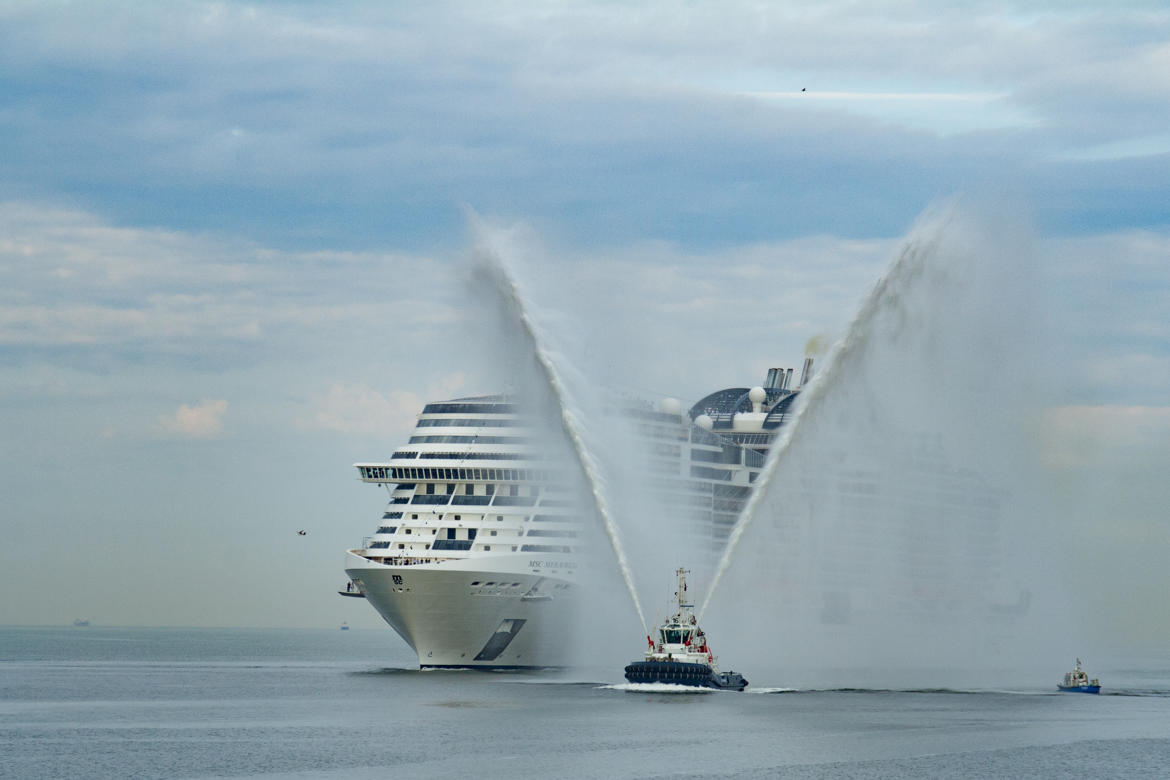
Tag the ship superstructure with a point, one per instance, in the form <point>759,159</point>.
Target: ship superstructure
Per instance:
<point>477,556</point>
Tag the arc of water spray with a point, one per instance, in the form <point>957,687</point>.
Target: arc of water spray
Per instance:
<point>908,265</point>
<point>492,266</point>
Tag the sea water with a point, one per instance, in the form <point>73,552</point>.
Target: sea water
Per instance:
<point>165,702</point>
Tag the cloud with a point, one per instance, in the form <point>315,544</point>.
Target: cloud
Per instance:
<point>80,297</point>
<point>360,410</point>
<point>632,126</point>
<point>1080,436</point>
<point>204,420</point>
<point>70,279</point>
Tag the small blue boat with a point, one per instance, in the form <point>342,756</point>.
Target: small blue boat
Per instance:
<point>1077,681</point>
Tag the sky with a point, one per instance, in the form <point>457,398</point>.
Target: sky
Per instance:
<point>234,242</point>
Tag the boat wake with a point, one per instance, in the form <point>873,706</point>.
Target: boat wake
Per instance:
<point>655,687</point>
<point>771,690</point>
<point>928,691</point>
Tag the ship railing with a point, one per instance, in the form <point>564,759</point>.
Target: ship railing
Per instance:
<point>404,561</point>
<point>399,560</point>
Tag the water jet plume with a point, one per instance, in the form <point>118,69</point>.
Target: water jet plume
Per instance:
<point>885,292</point>
<point>491,270</point>
<point>896,528</point>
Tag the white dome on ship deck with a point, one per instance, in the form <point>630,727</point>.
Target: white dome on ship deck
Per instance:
<point>704,421</point>
<point>670,406</point>
<point>757,395</point>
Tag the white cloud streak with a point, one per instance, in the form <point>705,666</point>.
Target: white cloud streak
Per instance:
<point>69,279</point>
<point>203,420</point>
<point>584,111</point>
<point>360,410</point>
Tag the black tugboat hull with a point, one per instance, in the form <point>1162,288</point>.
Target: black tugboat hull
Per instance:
<point>679,673</point>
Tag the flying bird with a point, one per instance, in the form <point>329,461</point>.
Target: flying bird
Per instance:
<point>302,533</point>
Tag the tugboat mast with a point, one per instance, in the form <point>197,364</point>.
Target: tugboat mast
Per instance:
<point>682,589</point>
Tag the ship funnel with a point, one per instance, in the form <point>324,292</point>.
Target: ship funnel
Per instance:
<point>787,379</point>
<point>806,373</point>
<point>775,378</point>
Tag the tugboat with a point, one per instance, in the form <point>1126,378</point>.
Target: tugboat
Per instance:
<point>1077,681</point>
<point>681,655</point>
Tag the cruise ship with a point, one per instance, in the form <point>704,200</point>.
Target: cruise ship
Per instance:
<point>477,558</point>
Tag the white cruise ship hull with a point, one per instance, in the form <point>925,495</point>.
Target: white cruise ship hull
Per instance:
<point>453,618</point>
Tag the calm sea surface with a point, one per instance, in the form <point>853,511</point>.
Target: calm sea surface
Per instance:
<point>114,703</point>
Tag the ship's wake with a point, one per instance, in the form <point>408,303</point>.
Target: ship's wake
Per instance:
<point>654,688</point>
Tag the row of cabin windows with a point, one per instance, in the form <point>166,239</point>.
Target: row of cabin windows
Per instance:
<point>462,544</point>
<point>411,455</point>
<point>456,439</point>
<point>482,422</point>
<point>445,499</point>
<point>736,491</point>
<point>451,544</point>
<point>418,474</point>
<point>729,454</point>
<point>466,407</point>
<point>447,544</point>
<point>499,518</point>
<point>474,456</point>
<point>707,473</point>
<point>449,541</point>
<point>750,438</point>
<point>469,489</point>
<point>449,533</point>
